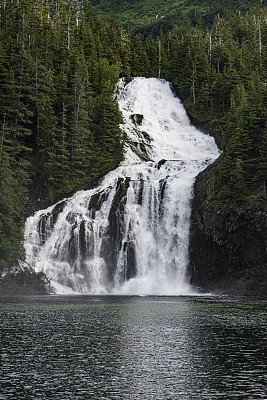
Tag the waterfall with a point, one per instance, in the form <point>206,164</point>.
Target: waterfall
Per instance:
<point>130,234</point>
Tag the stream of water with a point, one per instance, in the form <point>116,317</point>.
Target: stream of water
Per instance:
<point>130,234</point>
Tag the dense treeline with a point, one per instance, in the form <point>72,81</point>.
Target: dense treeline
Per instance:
<point>59,65</point>
<point>222,75</point>
<point>155,16</point>
<point>59,122</point>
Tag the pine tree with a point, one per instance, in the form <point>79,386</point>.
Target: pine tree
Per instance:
<point>107,133</point>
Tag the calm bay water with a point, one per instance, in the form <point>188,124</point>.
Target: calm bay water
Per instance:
<point>145,348</point>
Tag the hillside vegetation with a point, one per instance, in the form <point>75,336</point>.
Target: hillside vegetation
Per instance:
<point>59,122</point>
<point>221,74</point>
<point>59,65</point>
<point>155,16</point>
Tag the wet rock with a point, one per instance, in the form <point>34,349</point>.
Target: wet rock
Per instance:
<point>140,149</point>
<point>125,73</point>
<point>112,243</point>
<point>228,249</point>
<point>97,200</point>
<point>47,221</point>
<point>24,282</point>
<point>82,240</point>
<point>137,119</point>
<point>146,136</point>
<point>160,163</point>
<point>129,251</point>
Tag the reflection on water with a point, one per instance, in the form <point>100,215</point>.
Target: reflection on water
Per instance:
<point>149,348</point>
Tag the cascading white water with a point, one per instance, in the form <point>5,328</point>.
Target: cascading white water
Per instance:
<point>130,234</point>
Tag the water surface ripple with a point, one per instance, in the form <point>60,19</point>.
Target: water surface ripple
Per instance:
<point>143,348</point>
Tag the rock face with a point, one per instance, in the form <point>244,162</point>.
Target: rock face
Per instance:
<point>24,282</point>
<point>228,250</point>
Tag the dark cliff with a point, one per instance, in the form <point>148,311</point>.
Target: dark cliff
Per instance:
<point>228,249</point>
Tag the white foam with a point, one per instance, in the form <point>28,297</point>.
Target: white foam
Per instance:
<point>156,217</point>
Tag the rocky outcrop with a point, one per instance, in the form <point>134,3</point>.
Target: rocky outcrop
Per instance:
<point>24,282</point>
<point>228,249</point>
<point>113,241</point>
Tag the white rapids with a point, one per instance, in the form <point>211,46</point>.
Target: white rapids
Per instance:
<point>130,234</point>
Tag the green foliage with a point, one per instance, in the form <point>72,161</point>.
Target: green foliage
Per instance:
<point>154,17</point>
<point>59,64</point>
<point>58,118</point>
<point>242,170</point>
<point>221,74</point>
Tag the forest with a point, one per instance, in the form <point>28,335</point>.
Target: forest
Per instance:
<point>152,17</point>
<point>60,126</point>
